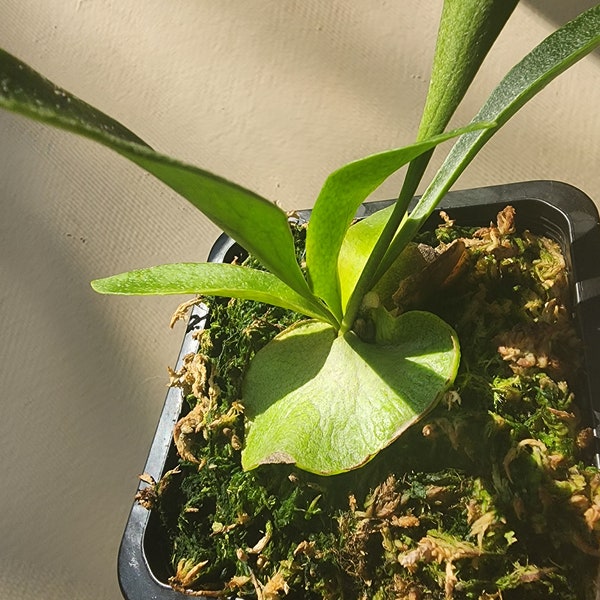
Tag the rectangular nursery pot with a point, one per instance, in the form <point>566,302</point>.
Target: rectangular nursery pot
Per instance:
<point>549,208</point>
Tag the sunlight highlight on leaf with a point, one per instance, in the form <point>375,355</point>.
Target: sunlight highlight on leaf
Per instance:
<point>329,403</point>
<point>211,279</point>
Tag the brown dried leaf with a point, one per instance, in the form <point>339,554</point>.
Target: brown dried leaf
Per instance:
<point>274,585</point>
<point>482,524</point>
<point>182,310</point>
<point>442,269</point>
<point>434,548</point>
<point>149,496</point>
<point>187,573</point>
<point>306,548</point>
<point>494,239</point>
<point>186,431</point>
<point>384,500</point>
<point>193,376</point>
<point>405,521</point>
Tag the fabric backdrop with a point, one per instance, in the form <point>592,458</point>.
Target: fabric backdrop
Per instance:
<point>270,94</point>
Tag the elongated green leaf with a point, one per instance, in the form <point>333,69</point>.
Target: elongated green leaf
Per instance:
<point>549,59</point>
<point>468,28</point>
<point>255,223</point>
<point>211,279</point>
<point>329,403</point>
<point>338,201</point>
<point>357,247</point>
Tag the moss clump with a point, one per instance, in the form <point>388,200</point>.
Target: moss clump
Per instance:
<point>490,496</point>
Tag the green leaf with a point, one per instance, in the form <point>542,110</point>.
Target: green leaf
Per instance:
<point>358,244</point>
<point>255,223</point>
<point>329,403</point>
<point>337,203</point>
<point>211,279</point>
<point>544,63</point>
<point>357,248</point>
<point>468,28</point>
<point>23,90</point>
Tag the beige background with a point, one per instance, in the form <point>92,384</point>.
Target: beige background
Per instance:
<point>272,94</point>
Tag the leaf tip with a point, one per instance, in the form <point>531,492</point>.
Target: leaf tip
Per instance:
<point>96,285</point>
<point>103,285</point>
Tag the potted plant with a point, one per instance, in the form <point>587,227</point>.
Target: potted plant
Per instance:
<point>338,391</point>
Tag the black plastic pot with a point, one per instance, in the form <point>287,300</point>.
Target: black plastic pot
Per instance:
<point>554,209</point>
